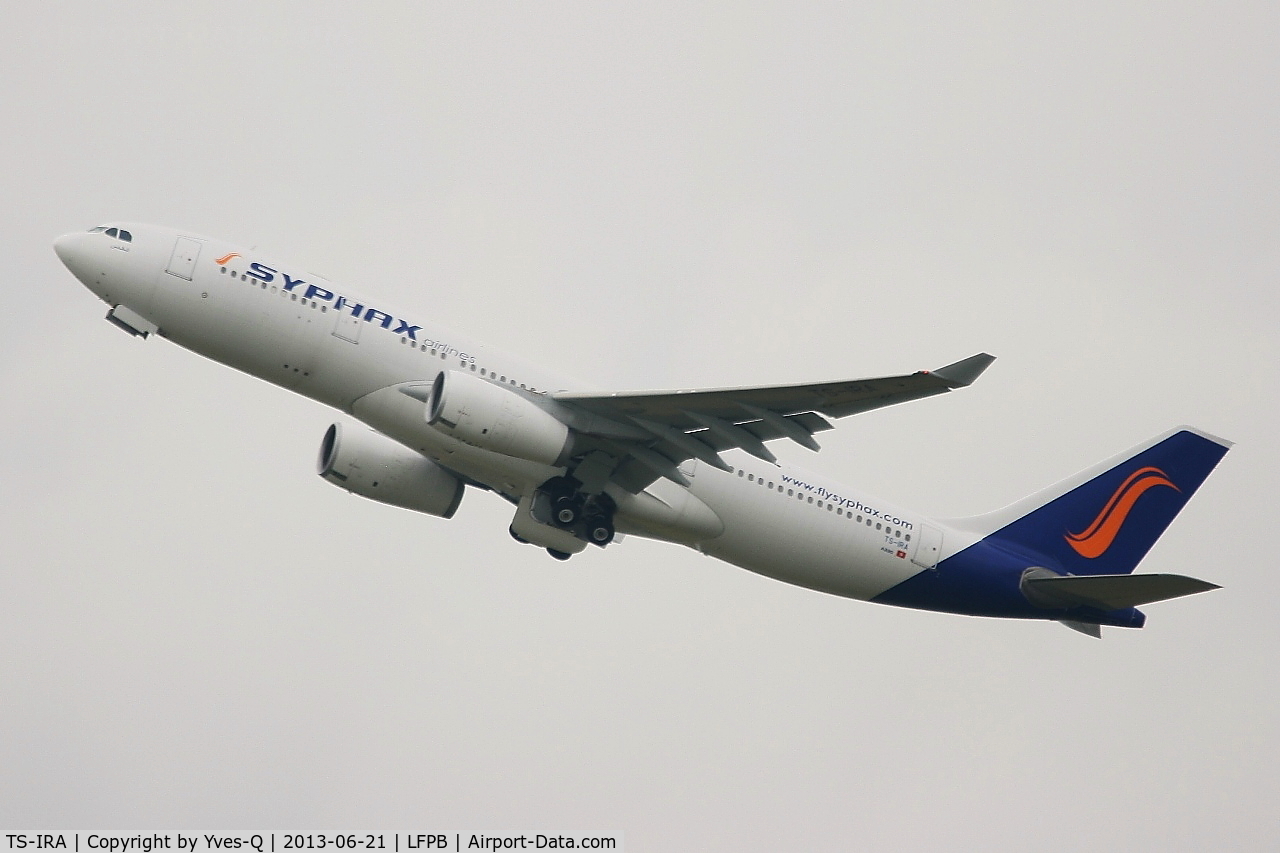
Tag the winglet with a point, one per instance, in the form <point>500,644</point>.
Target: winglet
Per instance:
<point>964,371</point>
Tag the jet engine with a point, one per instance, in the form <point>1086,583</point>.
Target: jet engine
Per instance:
<point>492,417</point>
<point>369,464</point>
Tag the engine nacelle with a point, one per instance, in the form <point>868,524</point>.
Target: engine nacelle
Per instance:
<point>491,417</point>
<point>373,466</point>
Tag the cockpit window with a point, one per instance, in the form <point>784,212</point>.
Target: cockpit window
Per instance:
<point>118,233</point>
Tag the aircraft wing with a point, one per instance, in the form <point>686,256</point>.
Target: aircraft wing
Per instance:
<point>656,431</point>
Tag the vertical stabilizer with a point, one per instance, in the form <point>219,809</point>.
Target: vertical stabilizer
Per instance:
<point>1104,520</point>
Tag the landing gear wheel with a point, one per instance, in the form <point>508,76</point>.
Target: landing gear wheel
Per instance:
<point>597,520</point>
<point>600,532</point>
<point>565,511</point>
<point>559,555</point>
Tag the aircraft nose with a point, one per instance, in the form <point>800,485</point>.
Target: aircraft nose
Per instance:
<point>71,250</point>
<point>62,246</point>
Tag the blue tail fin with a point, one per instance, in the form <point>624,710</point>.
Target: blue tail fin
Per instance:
<point>1104,520</point>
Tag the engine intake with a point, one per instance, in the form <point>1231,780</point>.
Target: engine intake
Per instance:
<point>492,417</point>
<point>373,466</point>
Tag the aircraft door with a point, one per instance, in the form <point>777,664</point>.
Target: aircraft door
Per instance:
<point>928,547</point>
<point>182,262</point>
<point>347,327</point>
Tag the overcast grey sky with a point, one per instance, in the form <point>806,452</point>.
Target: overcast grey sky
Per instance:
<point>198,632</point>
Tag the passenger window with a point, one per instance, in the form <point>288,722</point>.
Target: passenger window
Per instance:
<point>810,500</point>
<point>751,478</point>
<point>878,525</point>
<point>908,537</point>
<point>790,492</point>
<point>741,472</point>
<point>473,367</point>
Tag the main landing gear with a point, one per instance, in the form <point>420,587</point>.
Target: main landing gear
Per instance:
<point>559,555</point>
<point>561,502</point>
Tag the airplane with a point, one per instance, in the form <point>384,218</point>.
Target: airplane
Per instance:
<point>443,412</point>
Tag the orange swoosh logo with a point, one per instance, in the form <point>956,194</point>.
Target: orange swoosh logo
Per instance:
<point>223,260</point>
<point>1095,539</point>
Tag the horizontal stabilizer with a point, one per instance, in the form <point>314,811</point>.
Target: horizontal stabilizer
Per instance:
<point>1089,628</point>
<point>1109,592</point>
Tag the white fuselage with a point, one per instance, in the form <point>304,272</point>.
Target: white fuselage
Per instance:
<point>354,352</point>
